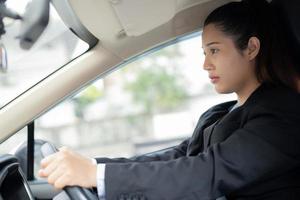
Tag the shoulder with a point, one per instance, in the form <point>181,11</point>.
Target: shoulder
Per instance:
<point>272,108</point>
<point>274,98</point>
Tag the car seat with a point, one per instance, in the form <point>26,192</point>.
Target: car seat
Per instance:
<point>290,12</point>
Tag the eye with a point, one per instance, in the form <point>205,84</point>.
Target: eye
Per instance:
<point>213,51</point>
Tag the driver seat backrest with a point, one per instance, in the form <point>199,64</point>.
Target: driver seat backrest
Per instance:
<point>290,11</point>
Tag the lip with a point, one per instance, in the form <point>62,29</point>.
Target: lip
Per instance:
<point>214,79</point>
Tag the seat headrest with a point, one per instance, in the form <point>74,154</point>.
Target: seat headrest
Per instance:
<point>290,11</point>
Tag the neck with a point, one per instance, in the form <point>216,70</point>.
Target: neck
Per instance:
<point>244,93</point>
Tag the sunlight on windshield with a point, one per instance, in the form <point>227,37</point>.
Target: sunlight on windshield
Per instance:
<point>56,46</point>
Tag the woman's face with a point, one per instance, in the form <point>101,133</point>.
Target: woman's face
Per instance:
<point>229,69</point>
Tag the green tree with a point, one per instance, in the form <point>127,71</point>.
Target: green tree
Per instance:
<point>157,86</point>
<point>86,97</point>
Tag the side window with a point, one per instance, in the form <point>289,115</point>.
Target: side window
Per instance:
<point>152,103</point>
<point>11,144</point>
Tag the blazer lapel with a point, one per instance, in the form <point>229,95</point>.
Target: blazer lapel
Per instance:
<point>207,135</point>
<point>196,142</point>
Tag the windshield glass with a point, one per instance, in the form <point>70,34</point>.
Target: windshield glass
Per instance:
<point>56,46</point>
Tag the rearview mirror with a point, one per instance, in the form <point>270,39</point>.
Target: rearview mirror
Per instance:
<point>3,58</point>
<point>34,22</point>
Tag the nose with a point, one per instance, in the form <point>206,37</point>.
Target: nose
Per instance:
<point>207,65</point>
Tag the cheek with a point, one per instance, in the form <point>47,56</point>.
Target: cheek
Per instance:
<point>236,63</point>
<point>233,73</point>
<point>229,66</point>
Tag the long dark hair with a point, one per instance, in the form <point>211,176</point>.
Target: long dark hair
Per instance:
<point>243,20</point>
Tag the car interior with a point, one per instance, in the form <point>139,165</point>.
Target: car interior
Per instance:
<point>117,32</point>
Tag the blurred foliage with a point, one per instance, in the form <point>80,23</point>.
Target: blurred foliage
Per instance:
<point>157,89</point>
<point>157,85</point>
<point>154,82</point>
<point>86,97</point>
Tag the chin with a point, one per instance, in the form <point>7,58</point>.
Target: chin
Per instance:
<point>222,89</point>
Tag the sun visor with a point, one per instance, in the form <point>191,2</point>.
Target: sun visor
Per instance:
<point>140,16</point>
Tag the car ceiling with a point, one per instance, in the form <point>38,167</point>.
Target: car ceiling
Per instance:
<point>127,27</point>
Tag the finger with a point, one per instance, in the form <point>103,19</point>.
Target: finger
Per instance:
<point>62,181</point>
<point>47,160</point>
<point>50,168</point>
<point>41,173</point>
<point>53,177</point>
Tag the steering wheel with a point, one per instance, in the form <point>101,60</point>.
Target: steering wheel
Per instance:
<point>73,192</point>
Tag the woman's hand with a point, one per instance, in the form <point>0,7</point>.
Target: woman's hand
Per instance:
<point>68,168</point>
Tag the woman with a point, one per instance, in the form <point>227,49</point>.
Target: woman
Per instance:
<point>244,149</point>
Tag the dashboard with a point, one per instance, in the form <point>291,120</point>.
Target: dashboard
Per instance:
<point>13,184</point>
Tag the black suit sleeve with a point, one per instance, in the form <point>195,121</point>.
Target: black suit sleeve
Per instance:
<point>168,154</point>
<point>266,146</point>
<point>180,150</point>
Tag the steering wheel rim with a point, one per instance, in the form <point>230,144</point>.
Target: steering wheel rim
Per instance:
<point>73,192</point>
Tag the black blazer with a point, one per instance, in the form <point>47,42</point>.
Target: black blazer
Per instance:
<point>252,152</point>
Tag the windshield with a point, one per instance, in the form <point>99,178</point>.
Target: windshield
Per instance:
<point>56,46</point>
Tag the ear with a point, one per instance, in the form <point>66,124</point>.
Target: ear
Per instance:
<point>253,48</point>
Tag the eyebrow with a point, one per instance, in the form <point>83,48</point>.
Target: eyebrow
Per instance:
<point>211,43</point>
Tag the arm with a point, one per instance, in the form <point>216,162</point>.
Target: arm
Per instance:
<point>61,167</point>
<point>171,153</point>
<point>207,118</point>
<point>261,150</point>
